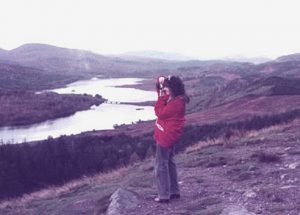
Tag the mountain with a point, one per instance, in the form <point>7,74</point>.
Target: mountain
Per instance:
<point>52,59</point>
<point>292,57</point>
<point>17,77</point>
<point>280,68</point>
<point>55,59</point>
<point>156,55</point>
<point>2,51</point>
<point>211,92</point>
<point>255,60</point>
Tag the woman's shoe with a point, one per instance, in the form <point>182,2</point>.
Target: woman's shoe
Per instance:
<point>157,199</point>
<point>175,196</point>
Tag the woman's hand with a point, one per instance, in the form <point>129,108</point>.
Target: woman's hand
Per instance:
<point>159,85</point>
<point>162,92</point>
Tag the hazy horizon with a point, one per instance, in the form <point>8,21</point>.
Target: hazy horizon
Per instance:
<point>198,29</point>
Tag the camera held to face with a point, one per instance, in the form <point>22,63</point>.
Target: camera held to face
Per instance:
<point>161,83</point>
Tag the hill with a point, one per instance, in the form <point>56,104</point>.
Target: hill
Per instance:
<point>52,59</point>
<point>54,161</point>
<point>55,59</point>
<point>284,69</point>
<point>15,76</point>
<point>2,51</point>
<point>255,60</point>
<point>254,173</point>
<point>292,57</point>
<point>59,60</point>
<point>215,91</point>
<point>156,55</point>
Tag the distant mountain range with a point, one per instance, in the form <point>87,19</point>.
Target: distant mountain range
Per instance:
<point>69,64</point>
<point>255,60</point>
<point>156,55</point>
<point>54,59</point>
<point>57,60</point>
<point>150,54</point>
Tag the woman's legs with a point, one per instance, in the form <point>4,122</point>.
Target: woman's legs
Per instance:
<point>174,188</point>
<point>165,172</point>
<point>162,172</point>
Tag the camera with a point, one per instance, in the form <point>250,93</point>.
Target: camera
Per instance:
<point>161,82</point>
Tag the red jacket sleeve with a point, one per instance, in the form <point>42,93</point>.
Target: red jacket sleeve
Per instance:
<point>164,110</point>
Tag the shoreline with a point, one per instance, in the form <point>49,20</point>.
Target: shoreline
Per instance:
<point>146,103</point>
<point>36,116</point>
<point>146,84</point>
<point>28,108</point>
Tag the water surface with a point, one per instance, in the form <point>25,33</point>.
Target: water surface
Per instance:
<point>105,116</point>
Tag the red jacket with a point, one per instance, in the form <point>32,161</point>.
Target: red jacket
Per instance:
<point>168,127</point>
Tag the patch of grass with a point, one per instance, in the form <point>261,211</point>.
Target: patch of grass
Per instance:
<point>243,172</point>
<point>141,182</point>
<point>207,206</point>
<point>212,149</point>
<point>202,144</point>
<point>197,163</point>
<point>212,210</point>
<point>216,161</point>
<point>102,205</point>
<point>265,157</point>
<point>210,201</point>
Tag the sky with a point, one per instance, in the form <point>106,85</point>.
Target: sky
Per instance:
<point>196,28</point>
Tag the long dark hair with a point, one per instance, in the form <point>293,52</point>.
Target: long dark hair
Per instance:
<point>177,87</point>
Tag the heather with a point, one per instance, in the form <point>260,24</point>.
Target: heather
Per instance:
<point>31,166</point>
<point>256,172</point>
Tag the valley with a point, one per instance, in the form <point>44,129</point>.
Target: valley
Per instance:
<point>242,125</point>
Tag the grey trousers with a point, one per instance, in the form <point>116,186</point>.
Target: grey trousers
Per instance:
<point>165,172</point>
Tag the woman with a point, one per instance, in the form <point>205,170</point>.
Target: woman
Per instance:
<point>170,110</point>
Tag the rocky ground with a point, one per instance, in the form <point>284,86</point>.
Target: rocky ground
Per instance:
<point>260,173</point>
<point>253,173</point>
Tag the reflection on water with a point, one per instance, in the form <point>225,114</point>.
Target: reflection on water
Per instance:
<point>109,90</point>
<point>104,116</point>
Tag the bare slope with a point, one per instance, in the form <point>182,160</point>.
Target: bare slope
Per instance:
<point>257,171</point>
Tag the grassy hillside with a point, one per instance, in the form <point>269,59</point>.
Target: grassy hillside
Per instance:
<point>257,171</point>
<point>206,93</point>
<point>17,77</point>
<point>31,166</point>
<point>277,68</point>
